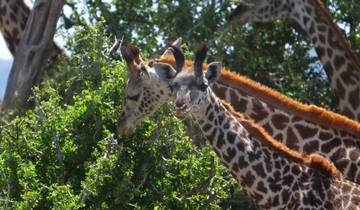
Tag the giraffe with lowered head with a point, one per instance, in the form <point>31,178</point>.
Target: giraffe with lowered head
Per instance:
<point>307,129</point>
<point>341,64</point>
<point>274,176</point>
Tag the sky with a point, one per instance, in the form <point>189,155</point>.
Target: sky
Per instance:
<point>5,65</point>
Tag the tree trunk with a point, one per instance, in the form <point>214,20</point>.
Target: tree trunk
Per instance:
<point>34,50</point>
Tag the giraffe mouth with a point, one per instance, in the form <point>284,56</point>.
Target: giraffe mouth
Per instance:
<point>181,113</point>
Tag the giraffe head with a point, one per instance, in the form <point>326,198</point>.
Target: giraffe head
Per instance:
<point>146,88</point>
<point>190,86</point>
<point>262,10</point>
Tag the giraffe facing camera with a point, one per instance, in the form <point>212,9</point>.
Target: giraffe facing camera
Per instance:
<point>274,176</point>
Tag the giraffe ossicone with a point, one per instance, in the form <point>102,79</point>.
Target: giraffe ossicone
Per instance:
<point>274,176</point>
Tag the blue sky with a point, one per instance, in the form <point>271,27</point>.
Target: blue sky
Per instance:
<point>5,65</point>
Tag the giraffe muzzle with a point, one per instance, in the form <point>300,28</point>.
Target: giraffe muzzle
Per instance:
<point>180,110</point>
<point>180,114</point>
<point>122,125</point>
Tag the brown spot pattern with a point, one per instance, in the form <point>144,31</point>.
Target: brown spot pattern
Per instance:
<point>306,132</point>
<point>354,98</point>
<point>292,140</point>
<point>280,121</point>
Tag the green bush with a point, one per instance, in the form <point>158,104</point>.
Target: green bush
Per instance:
<point>64,153</point>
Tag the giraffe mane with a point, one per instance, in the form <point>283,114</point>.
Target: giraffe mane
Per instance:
<point>277,100</point>
<point>313,160</point>
<point>329,20</point>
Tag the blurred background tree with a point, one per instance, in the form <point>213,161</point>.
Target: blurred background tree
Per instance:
<point>64,153</point>
<point>275,54</point>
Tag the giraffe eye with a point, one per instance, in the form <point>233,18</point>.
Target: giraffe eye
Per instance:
<point>134,97</point>
<point>203,87</point>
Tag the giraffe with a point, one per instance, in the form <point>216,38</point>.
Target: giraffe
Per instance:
<point>13,18</point>
<point>274,176</point>
<point>307,129</point>
<point>341,64</point>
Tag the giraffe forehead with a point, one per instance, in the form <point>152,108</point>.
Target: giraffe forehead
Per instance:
<point>185,80</point>
<point>186,77</point>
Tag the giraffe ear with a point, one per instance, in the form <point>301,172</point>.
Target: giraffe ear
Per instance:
<point>213,72</point>
<point>165,71</point>
<point>169,50</point>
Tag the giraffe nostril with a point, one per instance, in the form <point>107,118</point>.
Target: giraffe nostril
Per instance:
<point>179,103</point>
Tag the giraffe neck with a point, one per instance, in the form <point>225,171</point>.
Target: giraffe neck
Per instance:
<point>295,131</point>
<point>307,129</point>
<point>340,62</point>
<point>13,17</point>
<point>266,169</point>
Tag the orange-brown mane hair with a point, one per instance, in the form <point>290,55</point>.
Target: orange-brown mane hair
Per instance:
<point>308,112</point>
<point>314,160</point>
<point>319,4</point>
